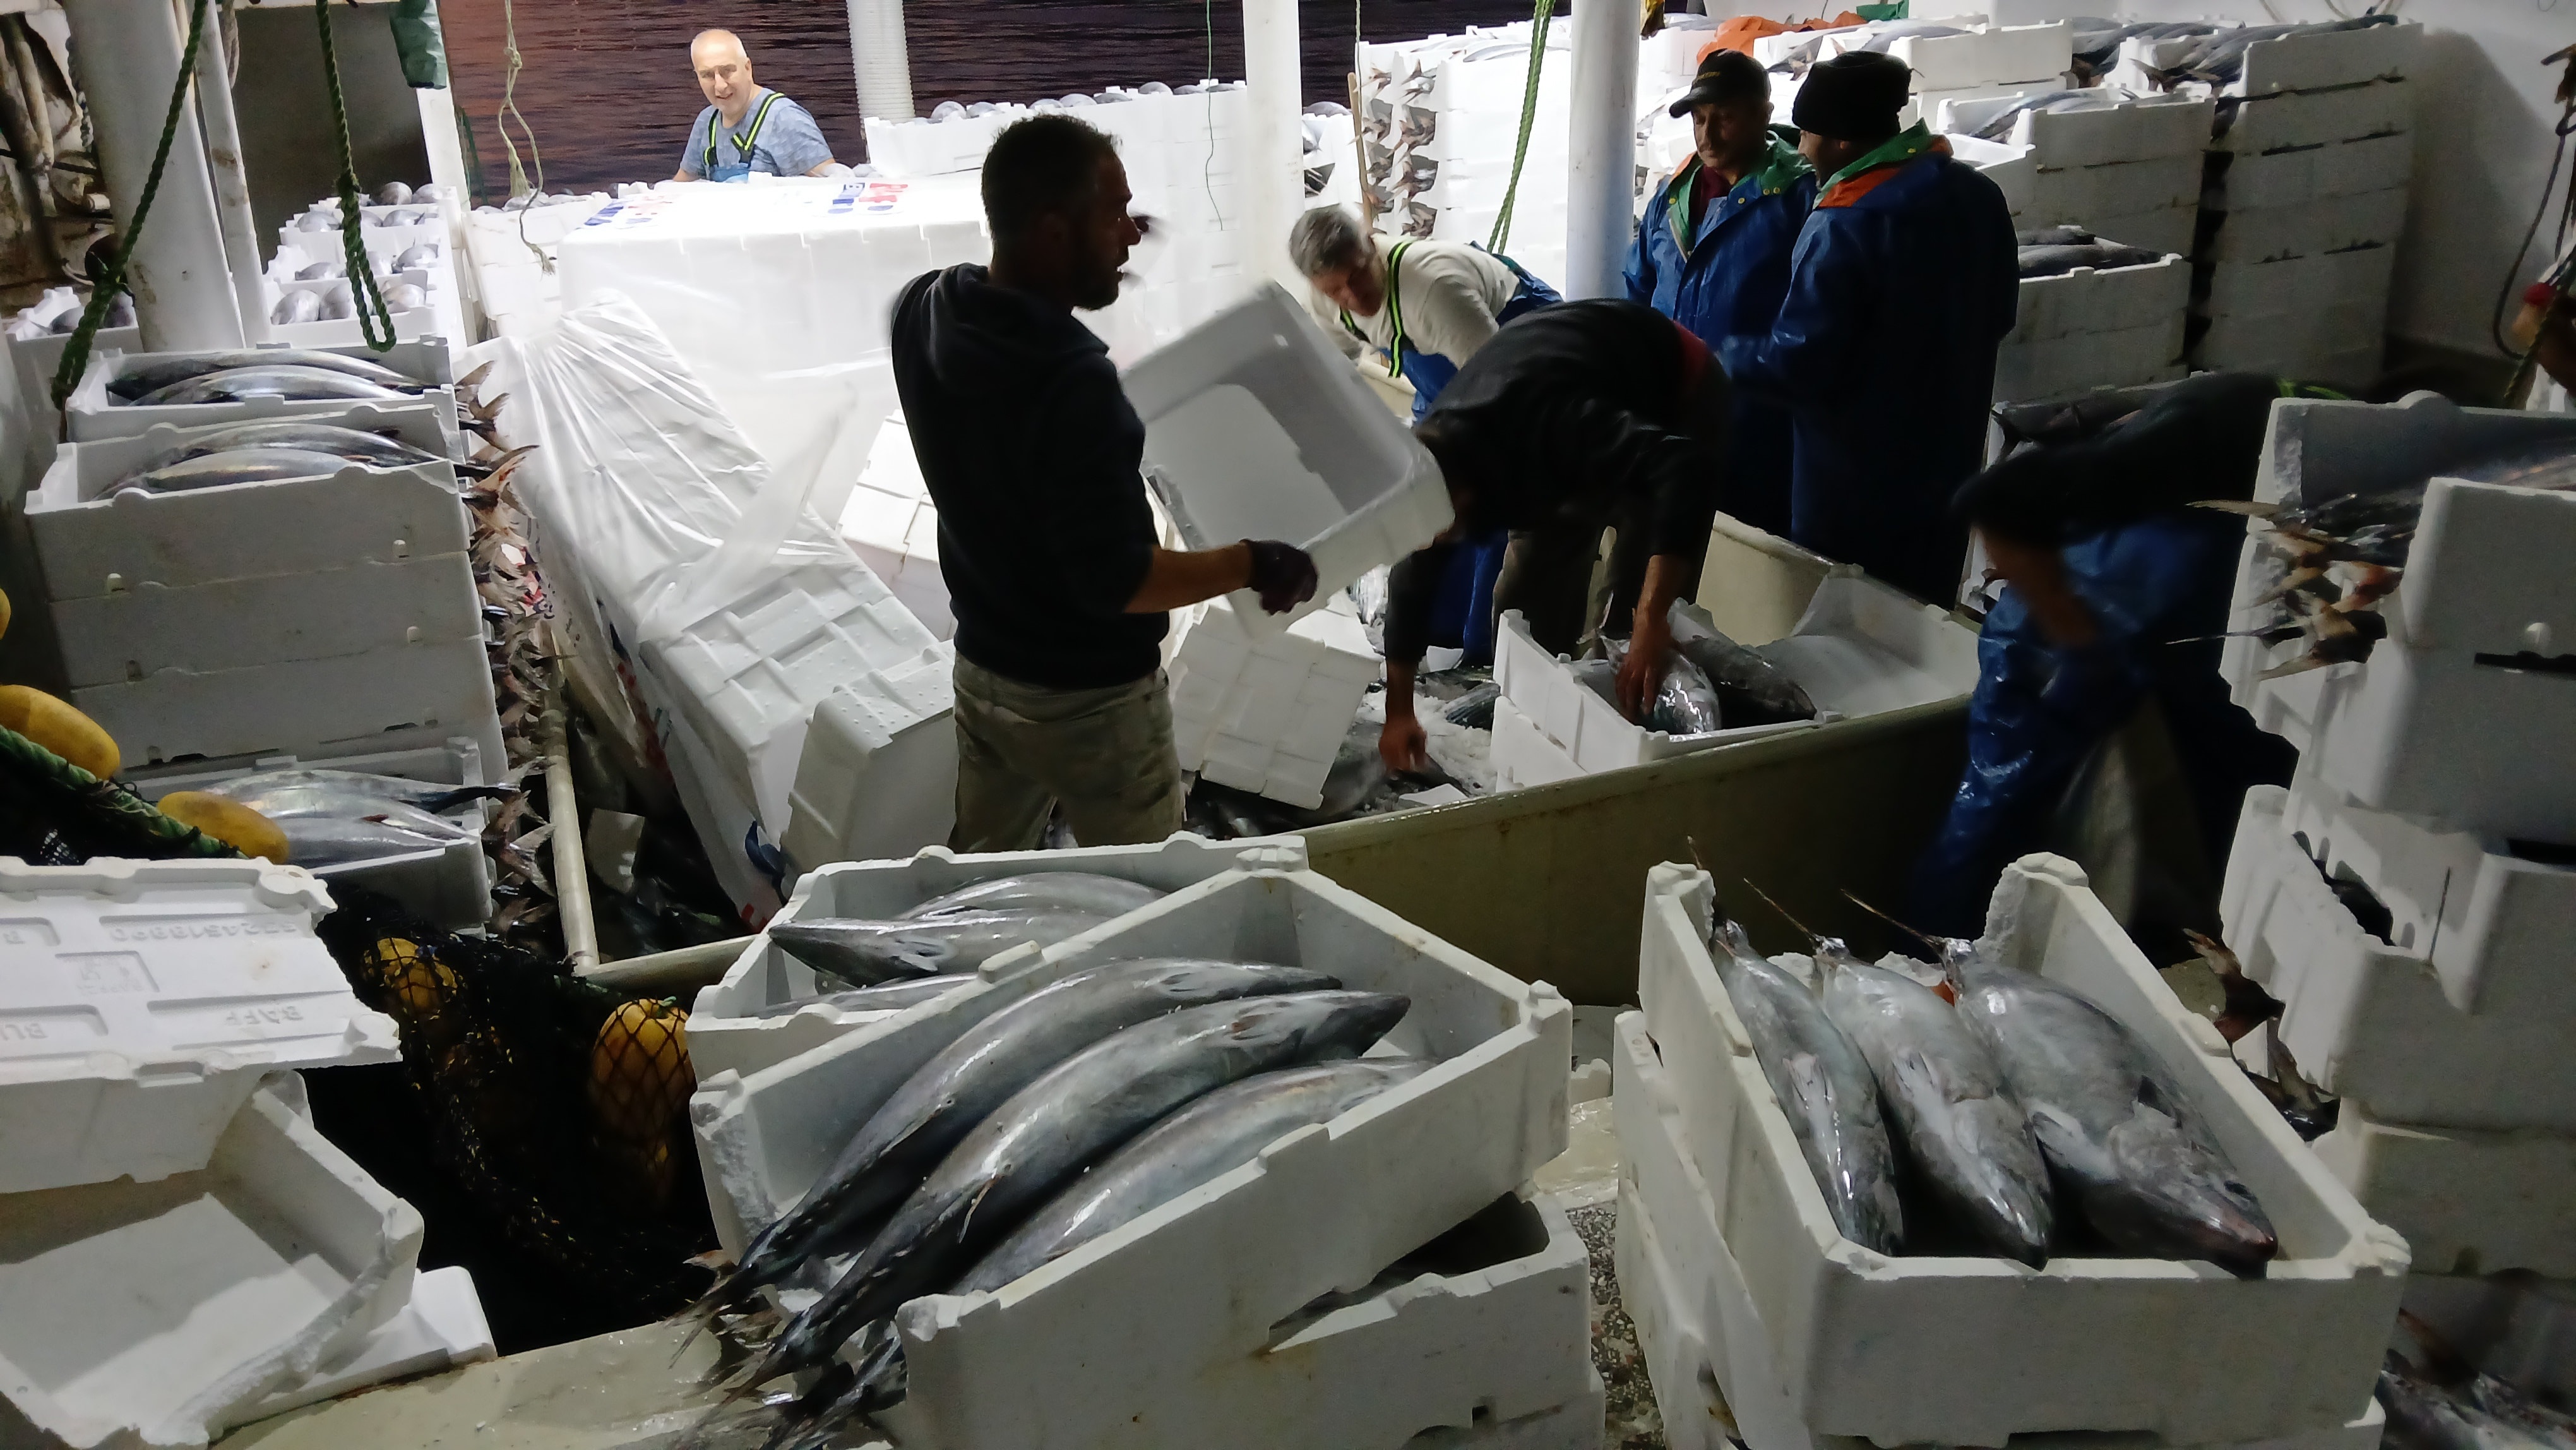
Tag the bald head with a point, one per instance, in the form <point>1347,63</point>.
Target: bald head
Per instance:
<point>724,73</point>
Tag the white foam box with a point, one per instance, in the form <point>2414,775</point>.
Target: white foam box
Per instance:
<point>1865,1345</point>
<point>2027,371</point>
<point>1588,729</point>
<point>2147,129</point>
<point>133,633</point>
<point>145,1000</point>
<point>878,773</point>
<point>1256,427</point>
<point>92,542</point>
<point>725,1033</point>
<point>1329,1206</point>
<point>2103,301</point>
<point>2316,61</point>
<point>2315,173</point>
<point>440,1326</point>
<point>2078,196</point>
<point>2468,1202</point>
<point>2517,1327</point>
<point>2168,229</point>
<point>2298,285</point>
<point>2368,1020</point>
<point>1267,712</point>
<point>2442,721</point>
<point>147,1315</point>
<point>89,414</point>
<point>2318,118</point>
<point>2322,224</point>
<point>449,886</point>
<point>2298,342</point>
<point>1706,1350</point>
<point>36,359</point>
<point>1522,754</point>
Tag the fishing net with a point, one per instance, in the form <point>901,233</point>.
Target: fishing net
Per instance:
<point>53,813</point>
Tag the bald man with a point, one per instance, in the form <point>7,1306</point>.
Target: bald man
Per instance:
<point>746,127</point>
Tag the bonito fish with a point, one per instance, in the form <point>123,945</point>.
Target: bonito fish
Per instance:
<point>884,997</point>
<point>1079,1109</point>
<point>157,375</point>
<point>1750,689</point>
<point>864,953</point>
<point>302,791</point>
<point>1086,891</point>
<point>234,465</point>
<point>1685,702</point>
<point>270,380</point>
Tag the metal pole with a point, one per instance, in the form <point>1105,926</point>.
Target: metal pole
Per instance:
<point>1601,161</point>
<point>126,55</point>
<point>877,53</point>
<point>232,182</point>
<point>1274,173</point>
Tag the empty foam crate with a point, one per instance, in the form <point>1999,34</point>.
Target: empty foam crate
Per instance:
<point>1256,427</point>
<point>1267,712</point>
<point>2369,1020</point>
<point>1707,1352</point>
<point>449,886</point>
<point>90,413</point>
<point>2468,1202</point>
<point>1864,1345</point>
<point>439,1326</point>
<point>1329,1206</point>
<point>150,1315</point>
<point>726,1025</point>
<point>93,541</point>
<point>2463,713</point>
<point>877,777</point>
<point>145,1000</point>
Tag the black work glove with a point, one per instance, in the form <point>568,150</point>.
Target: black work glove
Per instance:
<point>1282,574</point>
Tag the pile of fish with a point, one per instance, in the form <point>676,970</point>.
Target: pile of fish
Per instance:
<point>2217,56</point>
<point>297,374</point>
<point>2343,554</point>
<point>2097,41</point>
<point>1359,784</point>
<point>343,817</point>
<point>2028,1121</point>
<point>2056,251</point>
<point>1042,1127</point>
<point>1710,682</point>
<point>952,935</point>
<point>2435,1400</point>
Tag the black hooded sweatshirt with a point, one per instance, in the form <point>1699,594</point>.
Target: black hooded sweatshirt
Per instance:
<point>1031,453</point>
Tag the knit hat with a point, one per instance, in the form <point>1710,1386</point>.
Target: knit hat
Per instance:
<point>1853,97</point>
<point>1725,76</point>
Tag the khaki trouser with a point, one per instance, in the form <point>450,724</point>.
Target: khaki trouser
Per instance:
<point>1106,755</point>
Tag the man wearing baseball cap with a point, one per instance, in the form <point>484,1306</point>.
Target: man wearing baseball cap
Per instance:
<point>1903,285</point>
<point>1712,253</point>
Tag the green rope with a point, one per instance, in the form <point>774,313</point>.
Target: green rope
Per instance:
<point>1540,15</point>
<point>362,277</point>
<point>104,290</point>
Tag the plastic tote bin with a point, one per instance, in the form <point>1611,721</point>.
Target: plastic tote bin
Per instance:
<point>1867,1345</point>
<point>1257,428</point>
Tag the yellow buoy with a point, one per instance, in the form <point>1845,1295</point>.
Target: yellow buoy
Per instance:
<point>228,821</point>
<point>59,728</point>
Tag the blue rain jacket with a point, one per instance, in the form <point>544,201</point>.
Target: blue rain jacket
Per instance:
<point>1903,283</point>
<point>1726,278</point>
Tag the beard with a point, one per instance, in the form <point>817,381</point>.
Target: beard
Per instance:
<point>1096,276</point>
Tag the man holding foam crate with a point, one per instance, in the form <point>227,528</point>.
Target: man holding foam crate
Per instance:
<point>1032,454</point>
<point>1904,283</point>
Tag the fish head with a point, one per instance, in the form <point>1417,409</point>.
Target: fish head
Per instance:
<point>2180,1196</point>
<point>1326,1024</point>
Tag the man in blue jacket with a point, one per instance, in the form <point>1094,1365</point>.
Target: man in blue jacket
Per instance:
<point>1904,283</point>
<point>1712,253</point>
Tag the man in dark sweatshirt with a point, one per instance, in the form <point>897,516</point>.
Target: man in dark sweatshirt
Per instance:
<point>1031,453</point>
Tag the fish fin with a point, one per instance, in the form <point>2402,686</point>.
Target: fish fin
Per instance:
<point>2246,507</point>
<point>473,378</point>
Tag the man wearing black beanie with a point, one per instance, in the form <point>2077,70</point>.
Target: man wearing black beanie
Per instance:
<point>1904,284</point>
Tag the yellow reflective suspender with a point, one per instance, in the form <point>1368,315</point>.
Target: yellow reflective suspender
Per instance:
<point>742,143</point>
<point>1394,349</point>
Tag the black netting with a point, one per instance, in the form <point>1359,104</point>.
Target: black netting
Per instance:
<point>53,813</point>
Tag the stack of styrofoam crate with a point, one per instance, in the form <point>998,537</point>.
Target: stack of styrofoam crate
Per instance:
<point>1860,649</point>
<point>1475,104</point>
<point>1750,1306</point>
<point>304,617</point>
<point>951,138</point>
<point>1268,712</point>
<point>2108,328</point>
<point>512,249</point>
<point>1984,61</point>
<point>2434,781</point>
<point>2305,199</point>
<point>894,526</point>
<point>1213,1338</point>
<point>423,231</point>
<point>2128,170</point>
<point>178,1245</point>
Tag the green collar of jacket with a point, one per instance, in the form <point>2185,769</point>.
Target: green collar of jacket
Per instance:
<point>1904,146</point>
<point>1780,169</point>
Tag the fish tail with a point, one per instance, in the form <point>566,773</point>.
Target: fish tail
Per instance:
<point>473,378</point>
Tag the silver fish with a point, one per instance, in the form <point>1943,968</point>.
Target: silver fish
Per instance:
<point>1750,689</point>
<point>404,297</point>
<point>2101,256</point>
<point>1087,891</point>
<point>948,1095</point>
<point>864,953</point>
<point>353,444</point>
<point>339,305</point>
<point>305,791</point>
<point>271,380</point>
<point>1824,1086</point>
<point>885,997</point>
<point>2120,1140</point>
<point>320,270</point>
<point>1079,1109</point>
<point>318,221</point>
<point>1202,1142</point>
<point>418,257</point>
<point>1960,1125</point>
<point>237,465</point>
<point>295,307</point>
<point>393,193</point>
<point>162,372</point>
<point>316,841</point>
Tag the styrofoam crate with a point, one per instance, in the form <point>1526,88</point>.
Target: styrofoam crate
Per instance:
<point>2028,371</point>
<point>301,707</point>
<point>877,776</point>
<point>137,632</point>
<point>1329,1206</point>
<point>1256,427</point>
<point>2335,330</point>
<point>2299,63</point>
<point>2369,1021</point>
<point>2102,301</point>
<point>2424,728</point>
<point>2314,173</point>
<point>441,1326</point>
<point>2467,1202</point>
<point>2318,118</point>
<point>147,1000</point>
<point>147,1314</point>
<point>725,1034</point>
<point>450,886</point>
<point>1266,712</point>
<point>2323,224</point>
<point>1926,105</point>
<point>1522,755</point>
<point>2521,1328</point>
<point>2298,285</point>
<point>1587,728</point>
<point>2181,1351</point>
<point>1996,55</point>
<point>2146,129</point>
<point>88,415</point>
<point>2084,195</point>
<point>2167,229</point>
<point>1706,1349</point>
<point>92,541</point>
<point>37,358</point>
<point>739,849</point>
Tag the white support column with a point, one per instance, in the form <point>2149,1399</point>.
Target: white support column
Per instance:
<point>126,55</point>
<point>232,182</point>
<point>877,53</point>
<point>1274,174</point>
<point>1601,162</point>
